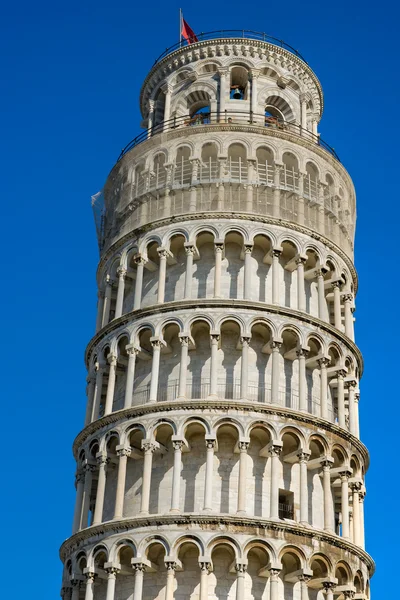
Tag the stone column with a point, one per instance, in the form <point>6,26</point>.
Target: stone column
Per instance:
<point>184,340</point>
<point>277,192</point>
<point>274,453</point>
<point>208,484</point>
<point>340,398</point>
<point>275,372</point>
<point>80,482</point>
<point>348,316</point>
<point>189,249</point>
<point>90,390</point>
<point>111,580</point>
<point>148,448</point>
<point>121,272</point>
<point>361,496</point>
<point>107,301</point>
<point>122,454</point>
<point>138,585</point>
<point>321,294</point>
<point>304,579</point>
<point>303,459</point>
<point>167,89</point>
<point>302,355</point>
<point>155,368</point>
<point>98,388</point>
<point>328,587</point>
<point>344,477</point>
<point>223,75</point>
<point>240,574</point>
<point>328,503</point>
<point>139,261</point>
<point>274,584</point>
<point>162,271</point>
<point>100,310</point>
<point>176,476</point>
<point>76,584</point>
<point>169,588</point>
<point>205,568</point>
<point>247,271</point>
<point>275,275</point>
<point>355,487</point>
<point>150,118</point>
<point>336,304</point>
<point>323,362</point>
<point>244,367</point>
<point>102,461</point>
<point>303,111</point>
<point>214,366</point>
<point>219,247</point>
<point>356,414</point>
<point>242,487</point>
<point>301,295</point>
<point>87,490</point>
<point>112,359</point>
<point>90,575</point>
<point>130,374</point>
<point>351,386</point>
<point>254,74</point>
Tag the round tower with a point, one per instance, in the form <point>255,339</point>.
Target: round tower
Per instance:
<point>221,457</point>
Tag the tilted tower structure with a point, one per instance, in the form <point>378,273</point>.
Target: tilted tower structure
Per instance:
<point>220,457</point>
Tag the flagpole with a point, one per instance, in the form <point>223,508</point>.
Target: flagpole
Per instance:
<point>180,27</point>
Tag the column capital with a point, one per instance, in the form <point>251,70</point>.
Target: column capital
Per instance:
<point>241,568</point>
<point>245,340</point>
<point>112,568</point>
<point>167,88</point>
<point>303,456</point>
<point>214,337</point>
<point>327,462</point>
<point>276,251</point>
<point>355,486</point>
<point>100,366</point>
<point>89,574</point>
<point>328,585</point>
<point>112,359</point>
<point>89,468</point>
<point>171,565</point>
<point>275,345</point>
<point>341,373</point>
<point>323,361</point>
<point>139,259</point>
<point>123,451</point>
<point>184,339</point>
<point>79,477</point>
<point>163,252</point>
<point>205,565</point>
<point>345,474</point>
<point>351,384</point>
<point>348,297</point>
<point>300,259</point>
<point>157,342</point>
<point>337,284</point>
<point>248,248</point>
<point>218,247</point>
<point>102,458</point>
<point>211,444</point>
<point>275,449</point>
<point>178,444</point>
<point>321,271</point>
<point>132,350</point>
<point>149,446</point>
<point>189,248</point>
<point>302,352</point>
<point>121,272</point>
<point>243,445</point>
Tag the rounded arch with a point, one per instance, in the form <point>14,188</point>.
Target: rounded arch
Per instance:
<point>188,538</point>
<point>198,420</point>
<point>147,542</point>
<point>162,422</point>
<point>321,565</point>
<point>263,544</point>
<point>220,539</point>
<point>280,102</point>
<point>295,433</point>
<point>269,427</point>
<point>119,546</point>
<point>225,420</point>
<point>294,550</point>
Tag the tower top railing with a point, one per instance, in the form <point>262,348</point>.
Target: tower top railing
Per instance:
<point>248,34</point>
<point>227,119</point>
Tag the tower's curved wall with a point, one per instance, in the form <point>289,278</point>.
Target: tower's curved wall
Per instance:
<point>220,456</point>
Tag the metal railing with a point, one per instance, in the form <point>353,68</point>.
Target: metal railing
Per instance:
<point>286,511</point>
<point>232,34</point>
<point>227,119</point>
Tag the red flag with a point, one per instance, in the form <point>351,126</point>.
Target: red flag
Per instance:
<point>188,33</point>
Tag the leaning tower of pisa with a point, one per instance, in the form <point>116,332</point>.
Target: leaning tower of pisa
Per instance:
<point>220,457</point>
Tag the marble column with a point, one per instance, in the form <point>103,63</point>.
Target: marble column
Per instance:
<point>223,77</point>
<point>98,389</point>
<point>162,271</point>
<point>214,366</point>
<point>303,400</point>
<point>167,89</point>
<point>323,363</point>
<point>90,391</point>
<point>176,476</point>
<point>184,340</point>
<point>327,490</point>
<point>205,568</point>
<point>138,584</point>
<point>351,386</point>
<point>132,352</point>
<point>169,588</point>
<point>329,588</point>
<point>148,449</point>
<point>361,497</point>
<point>87,492</point>
<point>137,301</point>
<point>121,272</point>
<point>248,248</point>
<point>275,372</point>
<point>344,478</point>
<point>277,192</point>
<point>340,398</point>
<point>304,579</point>
<point>322,310</point>
<point>150,118</point>
<point>90,576</point>
<point>355,489</point>
<point>303,459</point>
<point>80,483</point>
<point>208,485</point>
<point>274,584</point>
<point>102,461</point>
<point>76,584</point>
<point>155,368</point>
<point>301,295</point>
<point>336,305</point>
<point>189,249</point>
<point>123,454</point>
<point>240,575</point>
<point>112,359</point>
<point>100,310</point>
<point>244,367</point>
<point>111,581</point>
<point>274,453</point>
<point>242,484</point>
<point>275,275</point>
<point>219,247</point>
<point>348,316</point>
<point>107,301</point>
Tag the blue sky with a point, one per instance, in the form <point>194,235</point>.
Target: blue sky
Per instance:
<point>71,77</point>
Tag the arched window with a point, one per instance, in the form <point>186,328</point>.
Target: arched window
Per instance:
<point>239,83</point>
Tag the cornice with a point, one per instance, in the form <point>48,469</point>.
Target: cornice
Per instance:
<point>185,53</point>
<point>221,215</point>
<point>222,405</point>
<point>228,522</point>
<point>220,303</point>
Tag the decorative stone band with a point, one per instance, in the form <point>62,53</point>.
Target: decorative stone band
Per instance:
<point>252,525</point>
<point>221,303</point>
<point>223,405</point>
<point>113,248</point>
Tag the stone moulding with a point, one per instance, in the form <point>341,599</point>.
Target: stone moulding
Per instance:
<point>216,303</point>
<point>228,521</point>
<point>240,405</point>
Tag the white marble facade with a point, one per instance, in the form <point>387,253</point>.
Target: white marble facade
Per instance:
<point>221,455</point>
